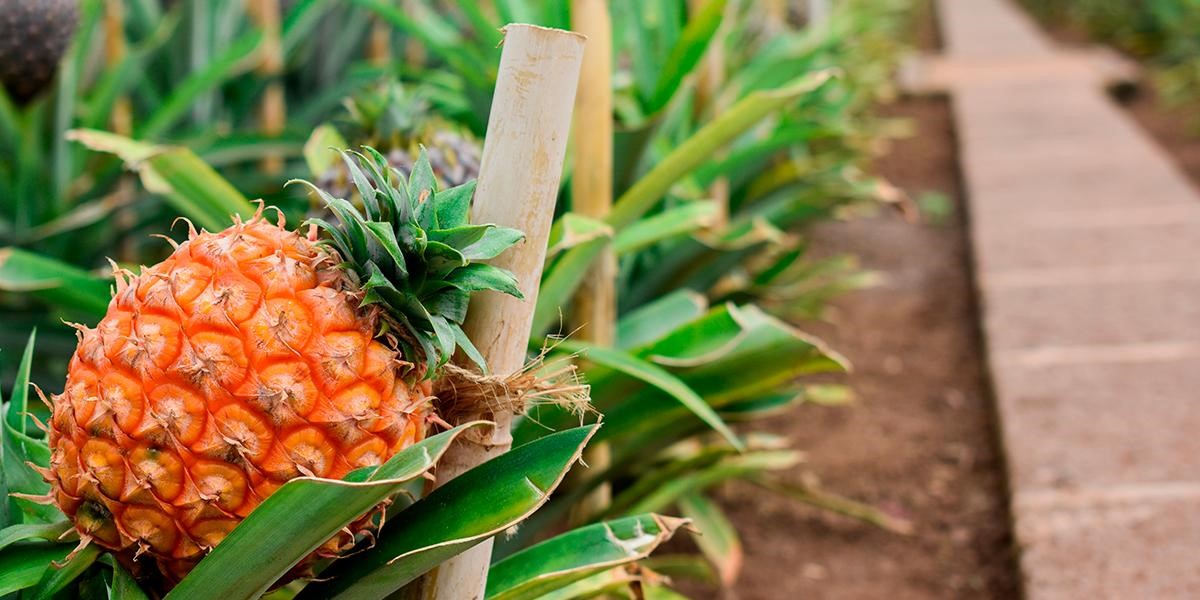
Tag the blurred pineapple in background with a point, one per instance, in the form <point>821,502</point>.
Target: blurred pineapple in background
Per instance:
<point>34,34</point>
<point>398,121</point>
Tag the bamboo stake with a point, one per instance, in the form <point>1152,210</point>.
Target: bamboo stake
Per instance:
<point>710,78</point>
<point>776,14</point>
<point>120,120</point>
<point>414,51</point>
<point>115,48</point>
<point>273,110</point>
<point>379,45</point>
<point>594,308</point>
<point>818,12</point>
<point>519,174</point>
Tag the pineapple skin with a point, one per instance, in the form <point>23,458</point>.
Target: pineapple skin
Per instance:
<point>238,363</point>
<point>33,37</point>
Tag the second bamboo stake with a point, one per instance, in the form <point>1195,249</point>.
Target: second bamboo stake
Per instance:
<point>594,308</point>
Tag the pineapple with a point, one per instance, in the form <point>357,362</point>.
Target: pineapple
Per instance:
<point>33,37</point>
<point>400,124</point>
<point>255,355</point>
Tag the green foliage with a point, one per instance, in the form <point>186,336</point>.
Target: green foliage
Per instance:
<point>576,555</point>
<point>458,515</point>
<point>699,340</point>
<point>298,517</point>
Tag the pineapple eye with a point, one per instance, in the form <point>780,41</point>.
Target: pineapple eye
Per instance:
<point>178,411</point>
<point>210,532</point>
<point>105,466</point>
<point>221,484</point>
<point>151,527</point>
<point>161,470</point>
<point>248,434</point>
<point>357,402</point>
<point>310,450</point>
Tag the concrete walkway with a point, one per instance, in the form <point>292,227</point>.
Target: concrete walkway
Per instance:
<point>1087,255</point>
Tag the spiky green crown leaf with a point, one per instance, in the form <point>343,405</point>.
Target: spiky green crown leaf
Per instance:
<point>414,252</point>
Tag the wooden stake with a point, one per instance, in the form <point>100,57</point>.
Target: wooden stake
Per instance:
<point>115,48</point>
<point>594,308</point>
<point>775,12</point>
<point>273,110</point>
<point>818,12</point>
<point>120,120</point>
<point>709,79</point>
<point>415,55</point>
<point>519,175</point>
<point>379,45</point>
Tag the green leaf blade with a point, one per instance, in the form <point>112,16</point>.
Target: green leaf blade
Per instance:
<point>463,512</point>
<point>657,377</point>
<point>296,519</point>
<point>578,554</point>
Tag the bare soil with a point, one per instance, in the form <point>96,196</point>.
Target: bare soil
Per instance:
<point>920,439</point>
<point>1176,129</point>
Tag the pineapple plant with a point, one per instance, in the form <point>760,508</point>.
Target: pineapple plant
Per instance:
<point>256,355</point>
<point>33,37</point>
<point>400,123</point>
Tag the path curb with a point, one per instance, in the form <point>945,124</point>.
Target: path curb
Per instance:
<point>1086,243</point>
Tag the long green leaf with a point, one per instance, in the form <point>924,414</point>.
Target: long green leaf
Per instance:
<point>836,504</point>
<point>56,578</point>
<point>670,223</point>
<point>69,75</point>
<point>661,592</point>
<point>686,54</point>
<point>650,322</point>
<point>578,554</point>
<point>299,517</point>
<point>465,511</point>
<point>17,450</point>
<point>195,189</point>
<point>613,581</point>
<point>116,80</point>
<point>22,566</point>
<point>33,531</point>
<point>699,148</point>
<point>54,282</point>
<point>234,60</point>
<point>680,567</point>
<point>716,536</point>
<point>658,377</point>
<point>192,186</point>
<point>730,467</point>
<point>560,283</point>
<point>18,400</point>
<point>730,354</point>
<point>437,37</point>
<point>123,586</point>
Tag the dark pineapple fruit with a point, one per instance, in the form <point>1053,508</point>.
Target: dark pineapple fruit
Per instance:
<point>33,36</point>
<point>399,123</point>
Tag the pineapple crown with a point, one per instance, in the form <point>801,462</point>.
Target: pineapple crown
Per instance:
<point>413,253</point>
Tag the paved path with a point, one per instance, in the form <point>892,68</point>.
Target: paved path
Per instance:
<point>1087,256</point>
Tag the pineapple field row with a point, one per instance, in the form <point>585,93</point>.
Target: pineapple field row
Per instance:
<point>420,298</point>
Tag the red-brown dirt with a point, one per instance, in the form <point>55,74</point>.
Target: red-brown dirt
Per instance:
<point>919,441</point>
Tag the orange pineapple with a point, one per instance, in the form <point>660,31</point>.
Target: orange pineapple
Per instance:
<point>253,356</point>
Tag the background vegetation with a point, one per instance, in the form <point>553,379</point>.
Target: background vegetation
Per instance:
<point>168,109</point>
